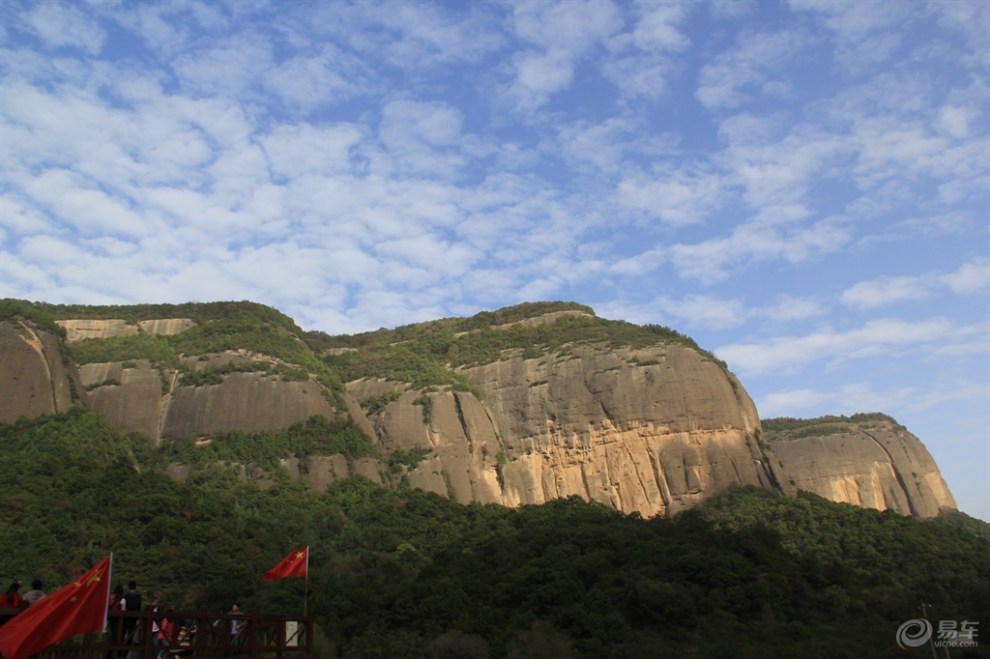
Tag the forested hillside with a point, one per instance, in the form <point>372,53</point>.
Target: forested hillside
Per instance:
<point>404,573</point>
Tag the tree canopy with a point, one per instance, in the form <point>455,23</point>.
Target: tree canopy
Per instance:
<point>408,573</point>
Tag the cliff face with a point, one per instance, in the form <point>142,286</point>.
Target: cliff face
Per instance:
<point>140,397</point>
<point>872,462</point>
<point>652,429</point>
<point>33,378</point>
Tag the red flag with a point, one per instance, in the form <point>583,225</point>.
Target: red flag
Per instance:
<point>295,564</point>
<point>78,608</point>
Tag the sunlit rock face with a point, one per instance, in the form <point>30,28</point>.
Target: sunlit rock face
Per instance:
<point>651,431</point>
<point>871,463</point>
<point>138,397</point>
<point>80,329</point>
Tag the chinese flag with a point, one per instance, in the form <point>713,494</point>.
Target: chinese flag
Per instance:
<point>78,608</point>
<point>295,564</point>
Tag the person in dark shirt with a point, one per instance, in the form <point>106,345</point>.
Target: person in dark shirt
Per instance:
<point>132,602</point>
<point>11,599</point>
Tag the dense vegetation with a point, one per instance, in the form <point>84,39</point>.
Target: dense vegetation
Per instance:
<point>11,308</point>
<point>790,423</point>
<point>218,326</point>
<point>426,354</point>
<point>198,312</point>
<point>402,573</point>
<point>317,436</point>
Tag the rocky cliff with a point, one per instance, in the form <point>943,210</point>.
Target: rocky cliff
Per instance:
<point>867,460</point>
<point>514,407</point>
<point>34,377</point>
<point>651,430</point>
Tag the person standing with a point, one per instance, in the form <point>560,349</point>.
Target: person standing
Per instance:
<point>33,595</point>
<point>161,630</point>
<point>132,602</point>
<point>115,604</point>
<point>12,598</point>
<point>236,630</point>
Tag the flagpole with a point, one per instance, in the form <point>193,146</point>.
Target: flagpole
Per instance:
<point>106,603</point>
<point>306,589</point>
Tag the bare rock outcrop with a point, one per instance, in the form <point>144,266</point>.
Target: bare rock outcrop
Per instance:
<point>133,395</point>
<point>153,402</point>
<point>248,402</point>
<point>870,462</point>
<point>34,380</point>
<point>80,329</point>
<point>652,431</point>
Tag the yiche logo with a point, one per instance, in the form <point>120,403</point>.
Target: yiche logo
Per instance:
<point>914,633</point>
<point>951,634</point>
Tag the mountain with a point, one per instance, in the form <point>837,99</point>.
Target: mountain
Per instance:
<point>868,460</point>
<point>527,404</point>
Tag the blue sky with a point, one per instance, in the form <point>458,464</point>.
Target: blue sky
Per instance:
<point>803,188</point>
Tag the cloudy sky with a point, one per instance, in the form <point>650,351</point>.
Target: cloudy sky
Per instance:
<point>803,187</point>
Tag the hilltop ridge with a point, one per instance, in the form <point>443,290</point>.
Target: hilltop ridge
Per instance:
<point>526,404</point>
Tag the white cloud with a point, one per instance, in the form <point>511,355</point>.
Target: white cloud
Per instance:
<point>703,312</point>
<point>60,24</point>
<point>777,168</point>
<point>706,311</point>
<point>639,264</point>
<point>659,27</point>
<point>969,278</point>
<point>232,67</point>
<point>640,61</point>
<point>19,217</point>
<point>82,205</point>
<point>876,337</point>
<point>640,75</point>
<point>302,149</point>
<point>327,79</point>
<point>423,36</point>
<point>886,290</point>
<point>866,33</point>
<point>715,259</point>
<point>570,26</point>
<point>730,9</point>
<point>738,75</point>
<point>785,308</point>
<point>793,402</point>
<point>562,33</point>
<point>422,138</point>
<point>855,397</point>
<point>542,74</point>
<point>850,398</point>
<point>676,197</point>
<point>604,144</point>
<point>955,121</point>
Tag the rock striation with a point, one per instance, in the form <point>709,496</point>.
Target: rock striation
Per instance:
<point>866,460</point>
<point>34,379</point>
<point>651,431</point>
<point>644,426</point>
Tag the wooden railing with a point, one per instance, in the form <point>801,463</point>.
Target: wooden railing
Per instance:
<point>131,635</point>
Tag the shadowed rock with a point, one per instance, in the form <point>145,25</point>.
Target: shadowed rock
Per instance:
<point>873,463</point>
